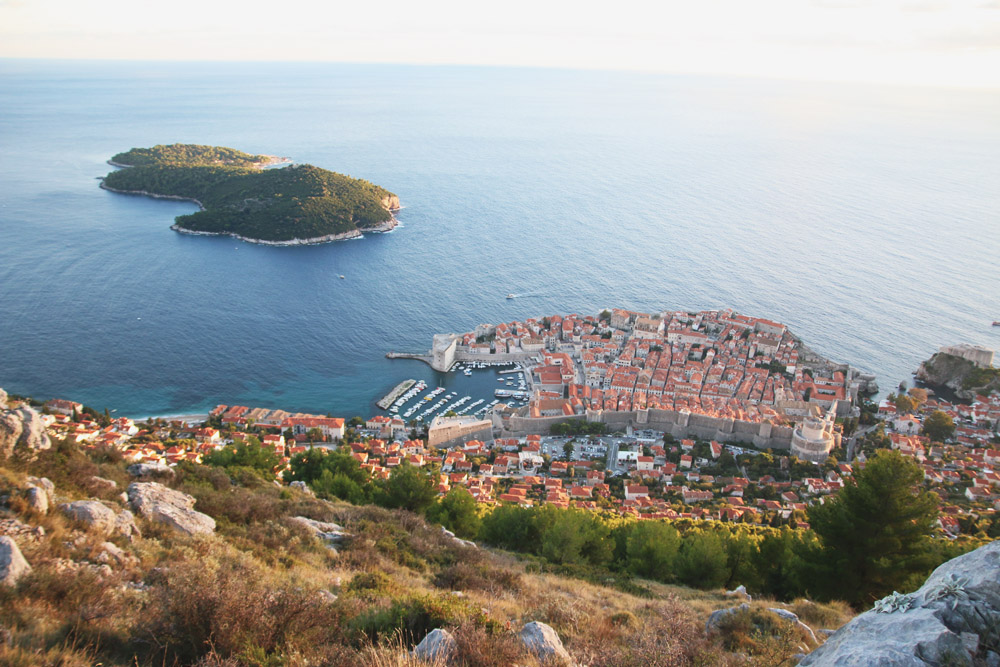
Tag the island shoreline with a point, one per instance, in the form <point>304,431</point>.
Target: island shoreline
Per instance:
<point>382,228</point>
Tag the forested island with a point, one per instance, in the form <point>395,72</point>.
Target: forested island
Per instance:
<point>238,196</point>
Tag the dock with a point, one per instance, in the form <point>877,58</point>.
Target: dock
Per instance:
<point>426,358</point>
<point>397,391</point>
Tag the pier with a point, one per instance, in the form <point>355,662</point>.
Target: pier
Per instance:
<point>398,391</point>
<point>426,358</point>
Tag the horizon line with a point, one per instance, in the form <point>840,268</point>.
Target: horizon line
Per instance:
<point>985,87</point>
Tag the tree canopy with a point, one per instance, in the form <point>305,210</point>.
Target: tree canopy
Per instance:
<point>875,532</point>
<point>938,426</point>
<point>296,202</point>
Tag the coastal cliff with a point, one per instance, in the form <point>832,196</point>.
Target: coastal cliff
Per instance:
<point>242,198</point>
<point>959,375</point>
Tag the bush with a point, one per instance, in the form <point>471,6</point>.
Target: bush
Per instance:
<point>464,576</point>
<point>223,601</point>
<point>413,617</point>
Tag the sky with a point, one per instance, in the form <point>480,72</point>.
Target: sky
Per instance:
<point>923,42</point>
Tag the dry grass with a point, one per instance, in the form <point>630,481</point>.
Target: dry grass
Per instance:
<point>251,594</point>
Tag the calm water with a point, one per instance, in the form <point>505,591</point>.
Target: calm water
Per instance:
<point>864,217</point>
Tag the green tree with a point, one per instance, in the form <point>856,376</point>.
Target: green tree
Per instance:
<point>875,532</point>
<point>702,561</point>
<point>651,548</point>
<point>938,426</point>
<point>408,487</point>
<point>244,455</point>
<point>905,404</point>
<point>456,511</point>
<point>568,450</point>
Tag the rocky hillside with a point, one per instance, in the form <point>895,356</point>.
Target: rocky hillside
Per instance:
<point>117,564</point>
<point>959,375</point>
<point>953,619</point>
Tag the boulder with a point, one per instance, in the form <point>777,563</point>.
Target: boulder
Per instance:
<point>303,487</point>
<point>716,616</point>
<point>46,484</point>
<point>34,435</point>
<point>10,432</point>
<point>93,513</point>
<point>112,555</point>
<point>438,645</point>
<point>3,400</point>
<point>544,642</point>
<point>739,591</point>
<point>102,518</point>
<point>12,563</point>
<point>953,619</point>
<point>22,427</point>
<point>331,533</point>
<point>168,506</point>
<point>102,484</point>
<point>457,539</point>
<point>38,500</point>
<point>150,470</point>
<point>793,618</point>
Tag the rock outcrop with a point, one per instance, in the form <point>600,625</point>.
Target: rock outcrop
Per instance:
<point>21,427</point>
<point>150,470</point>
<point>953,619</point>
<point>457,539</point>
<point>168,506</point>
<point>951,371</point>
<point>12,563</point>
<point>438,645</point>
<point>330,533</point>
<point>716,617</point>
<point>102,518</point>
<point>38,500</point>
<point>544,642</point>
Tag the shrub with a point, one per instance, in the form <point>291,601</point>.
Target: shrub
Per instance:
<point>413,617</point>
<point>464,576</point>
<point>223,601</point>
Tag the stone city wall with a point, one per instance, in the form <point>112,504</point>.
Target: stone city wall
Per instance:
<point>762,435</point>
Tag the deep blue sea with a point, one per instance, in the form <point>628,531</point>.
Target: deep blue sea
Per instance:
<point>867,218</point>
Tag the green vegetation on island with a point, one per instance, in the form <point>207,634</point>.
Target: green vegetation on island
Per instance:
<point>299,203</point>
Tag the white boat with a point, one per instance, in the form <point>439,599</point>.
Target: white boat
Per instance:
<point>511,296</point>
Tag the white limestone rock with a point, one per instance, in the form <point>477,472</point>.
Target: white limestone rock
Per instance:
<point>93,513</point>
<point>740,591</point>
<point>793,618</point>
<point>37,499</point>
<point>953,619</point>
<point>459,540</point>
<point>102,484</point>
<point>13,566</point>
<point>438,645</point>
<point>715,618</point>
<point>168,506</point>
<point>45,484</point>
<point>303,487</point>
<point>150,470</point>
<point>10,432</point>
<point>334,535</point>
<point>544,642</point>
<point>33,435</point>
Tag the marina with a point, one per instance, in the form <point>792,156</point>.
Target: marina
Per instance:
<point>467,388</point>
<point>399,389</point>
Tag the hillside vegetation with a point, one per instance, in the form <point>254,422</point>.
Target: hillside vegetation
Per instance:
<point>263,589</point>
<point>297,202</point>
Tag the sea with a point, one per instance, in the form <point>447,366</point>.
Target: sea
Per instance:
<point>865,217</point>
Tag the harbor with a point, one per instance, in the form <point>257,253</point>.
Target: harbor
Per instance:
<point>397,391</point>
<point>467,388</point>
